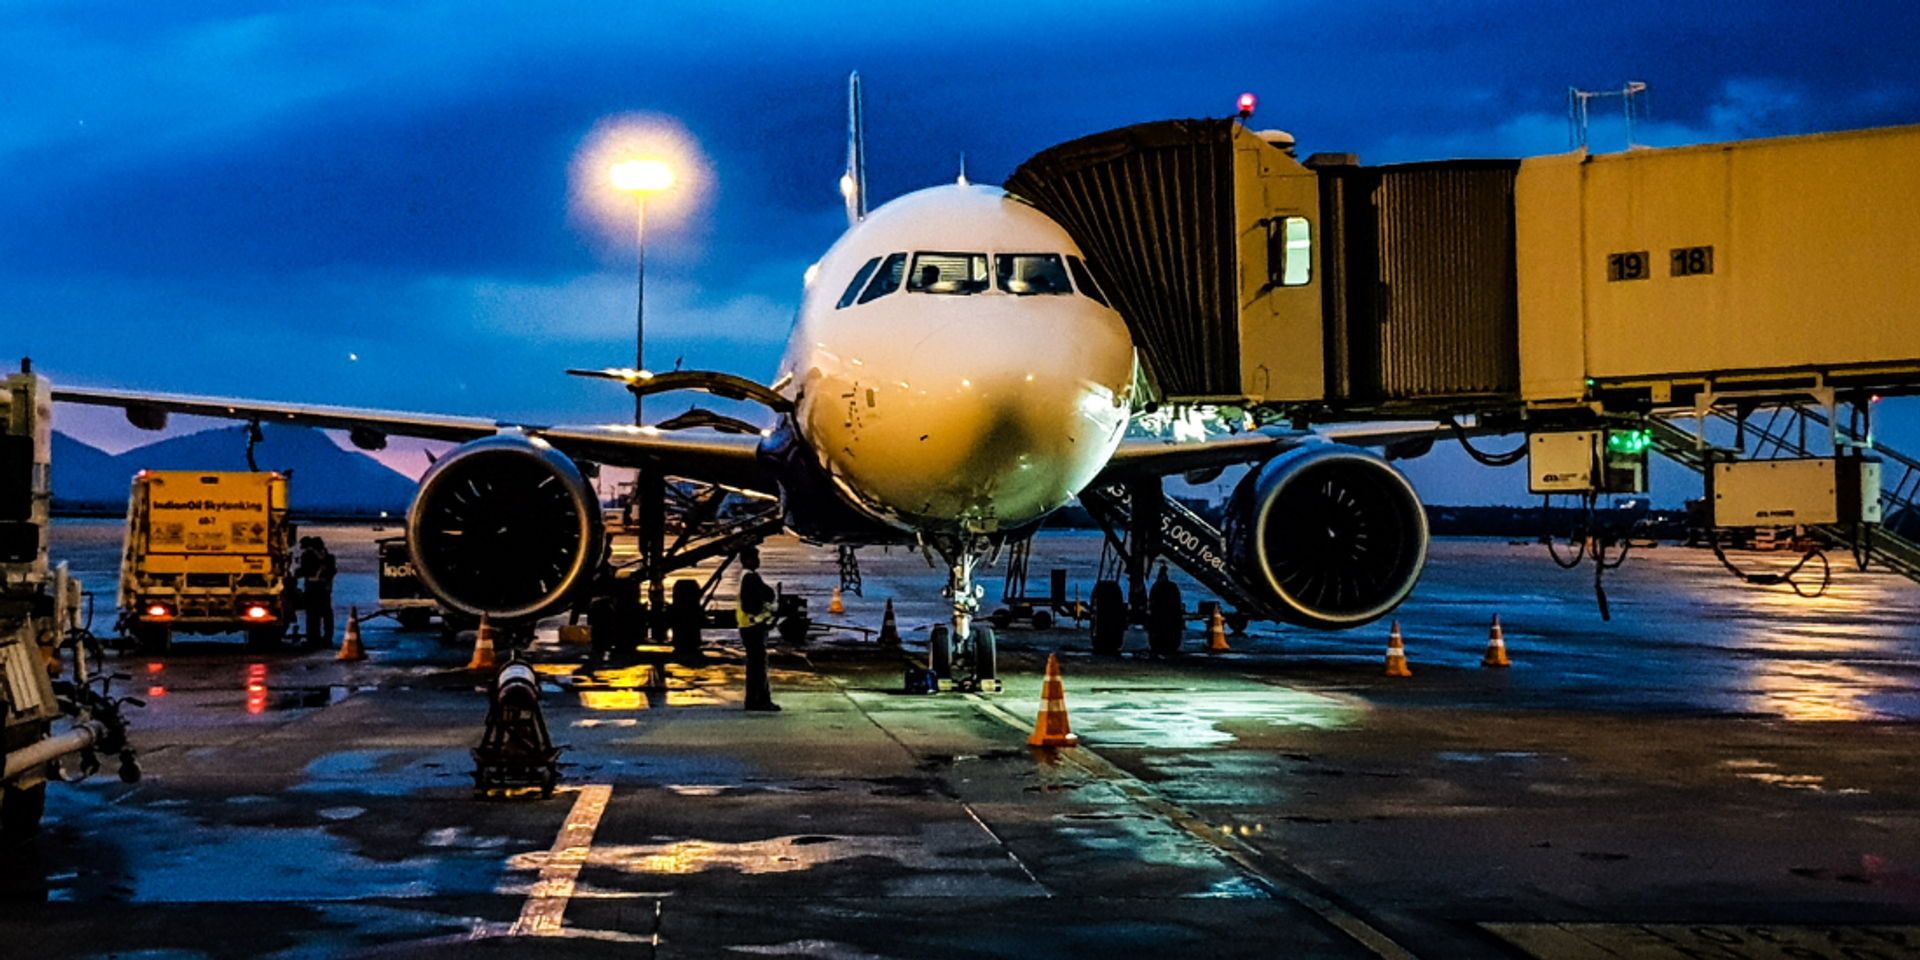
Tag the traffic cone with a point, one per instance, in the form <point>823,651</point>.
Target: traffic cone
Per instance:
<point>1051,729</point>
<point>483,658</point>
<point>1397,654</point>
<point>836,606</point>
<point>1496,647</point>
<point>1217,633</point>
<point>889,630</point>
<point>350,648</point>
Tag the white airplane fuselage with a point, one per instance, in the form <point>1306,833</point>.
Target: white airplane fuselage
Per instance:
<point>956,404</point>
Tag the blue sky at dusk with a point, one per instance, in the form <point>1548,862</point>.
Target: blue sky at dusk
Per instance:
<point>372,205</point>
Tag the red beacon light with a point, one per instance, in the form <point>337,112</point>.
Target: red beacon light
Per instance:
<point>1246,105</point>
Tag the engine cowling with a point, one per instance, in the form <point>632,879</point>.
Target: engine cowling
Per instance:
<point>504,526</point>
<point>1332,535</point>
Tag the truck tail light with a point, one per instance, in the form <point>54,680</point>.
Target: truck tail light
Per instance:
<point>258,612</point>
<point>159,611</point>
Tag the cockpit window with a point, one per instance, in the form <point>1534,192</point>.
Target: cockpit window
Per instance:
<point>1083,278</point>
<point>1022,274</point>
<point>859,280</point>
<point>956,273</point>
<point>887,279</point>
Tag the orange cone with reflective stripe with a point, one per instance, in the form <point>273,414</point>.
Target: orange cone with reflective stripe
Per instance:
<point>350,648</point>
<point>1397,654</point>
<point>1051,730</point>
<point>483,658</point>
<point>1496,647</point>
<point>889,628</point>
<point>836,606</point>
<point>1217,633</point>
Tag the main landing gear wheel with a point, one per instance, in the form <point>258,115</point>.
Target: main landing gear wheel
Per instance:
<point>1109,620</point>
<point>940,652</point>
<point>1166,618</point>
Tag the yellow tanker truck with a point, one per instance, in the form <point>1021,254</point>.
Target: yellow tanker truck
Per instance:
<point>207,553</point>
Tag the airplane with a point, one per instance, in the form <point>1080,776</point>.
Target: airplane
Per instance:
<point>954,375</point>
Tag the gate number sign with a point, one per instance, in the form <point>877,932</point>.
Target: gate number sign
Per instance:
<point>1627,266</point>
<point>1682,261</point>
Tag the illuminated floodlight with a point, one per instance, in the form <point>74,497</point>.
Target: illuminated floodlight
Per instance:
<point>641,176</point>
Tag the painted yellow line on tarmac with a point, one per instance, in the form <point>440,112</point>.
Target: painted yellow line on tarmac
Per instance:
<point>547,904</point>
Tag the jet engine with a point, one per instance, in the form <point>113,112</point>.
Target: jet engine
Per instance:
<point>504,526</point>
<point>1330,535</point>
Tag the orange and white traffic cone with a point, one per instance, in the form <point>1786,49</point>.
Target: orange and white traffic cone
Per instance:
<point>1397,654</point>
<point>1051,730</point>
<point>836,606</point>
<point>483,658</point>
<point>1496,647</point>
<point>350,648</point>
<point>1217,633</point>
<point>889,629</point>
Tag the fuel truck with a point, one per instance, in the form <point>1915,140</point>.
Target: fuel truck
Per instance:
<point>49,713</point>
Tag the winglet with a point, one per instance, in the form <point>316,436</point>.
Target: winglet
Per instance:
<point>853,185</point>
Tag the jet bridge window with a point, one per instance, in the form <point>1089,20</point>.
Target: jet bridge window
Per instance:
<point>1022,274</point>
<point>955,273</point>
<point>859,280</point>
<point>1289,252</point>
<point>1083,278</point>
<point>887,279</point>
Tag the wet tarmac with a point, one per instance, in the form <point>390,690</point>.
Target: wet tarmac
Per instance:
<point>1719,771</point>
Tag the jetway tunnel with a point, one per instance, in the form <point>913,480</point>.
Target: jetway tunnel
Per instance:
<point>1554,293</point>
<point>1331,290</point>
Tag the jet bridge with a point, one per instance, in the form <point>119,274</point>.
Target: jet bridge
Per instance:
<point>1580,294</point>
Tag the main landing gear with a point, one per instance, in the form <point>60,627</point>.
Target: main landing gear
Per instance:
<point>965,640</point>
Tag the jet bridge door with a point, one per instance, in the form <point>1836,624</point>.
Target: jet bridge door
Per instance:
<point>1204,236</point>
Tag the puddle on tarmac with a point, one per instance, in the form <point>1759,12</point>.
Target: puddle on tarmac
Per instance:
<point>1194,720</point>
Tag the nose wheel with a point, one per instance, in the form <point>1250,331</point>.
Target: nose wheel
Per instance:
<point>965,642</point>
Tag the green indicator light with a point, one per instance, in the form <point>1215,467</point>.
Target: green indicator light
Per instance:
<point>1629,441</point>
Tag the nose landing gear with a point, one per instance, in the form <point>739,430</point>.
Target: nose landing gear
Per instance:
<point>974,643</point>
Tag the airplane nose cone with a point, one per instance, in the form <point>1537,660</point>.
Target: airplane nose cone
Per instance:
<point>1014,423</point>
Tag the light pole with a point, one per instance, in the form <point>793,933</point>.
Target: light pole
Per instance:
<point>641,177</point>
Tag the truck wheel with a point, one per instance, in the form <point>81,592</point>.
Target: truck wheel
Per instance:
<point>265,639</point>
<point>20,812</point>
<point>152,637</point>
<point>1109,620</point>
<point>1042,620</point>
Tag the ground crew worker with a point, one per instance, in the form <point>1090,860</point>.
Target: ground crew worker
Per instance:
<point>319,568</point>
<point>754,613</point>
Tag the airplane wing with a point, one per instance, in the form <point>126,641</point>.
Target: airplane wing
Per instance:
<point>727,459</point>
<point>1154,456</point>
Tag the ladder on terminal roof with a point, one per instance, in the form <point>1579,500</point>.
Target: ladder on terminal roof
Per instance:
<point>1784,431</point>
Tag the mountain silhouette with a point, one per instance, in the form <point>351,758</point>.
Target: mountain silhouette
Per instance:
<point>324,480</point>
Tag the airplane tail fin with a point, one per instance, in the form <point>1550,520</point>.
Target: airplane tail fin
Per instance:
<point>853,186</point>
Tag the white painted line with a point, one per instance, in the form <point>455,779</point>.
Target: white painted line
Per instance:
<point>547,904</point>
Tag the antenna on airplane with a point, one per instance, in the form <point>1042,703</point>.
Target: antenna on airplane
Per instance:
<point>853,184</point>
